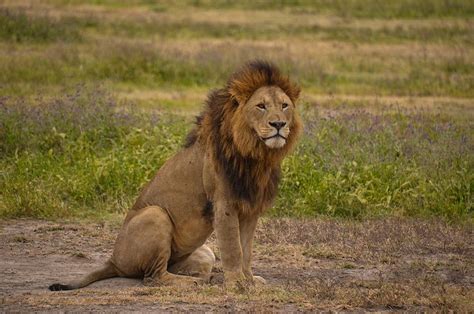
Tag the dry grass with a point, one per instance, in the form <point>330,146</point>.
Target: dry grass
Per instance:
<point>139,14</point>
<point>136,47</point>
<point>189,102</point>
<point>323,264</point>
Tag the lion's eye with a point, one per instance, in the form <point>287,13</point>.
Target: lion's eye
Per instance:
<point>261,106</point>
<point>284,105</point>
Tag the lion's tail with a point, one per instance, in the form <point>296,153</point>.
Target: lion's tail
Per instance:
<point>108,270</point>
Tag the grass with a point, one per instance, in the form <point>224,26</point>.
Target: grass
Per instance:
<point>344,8</point>
<point>139,64</point>
<point>16,26</point>
<point>362,9</point>
<point>68,152</point>
<point>46,46</point>
<point>359,164</point>
<point>77,155</point>
<point>310,265</point>
<point>83,154</point>
<point>457,33</point>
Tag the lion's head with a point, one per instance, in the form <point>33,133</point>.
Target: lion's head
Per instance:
<point>255,112</point>
<point>251,124</point>
<point>268,116</point>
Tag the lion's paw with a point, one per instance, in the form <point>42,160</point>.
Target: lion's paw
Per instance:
<point>259,280</point>
<point>244,284</point>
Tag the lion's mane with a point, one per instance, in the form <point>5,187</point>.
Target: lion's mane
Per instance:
<point>250,167</point>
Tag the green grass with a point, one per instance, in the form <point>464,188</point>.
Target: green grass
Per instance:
<point>146,65</point>
<point>81,155</point>
<point>133,44</point>
<point>72,154</point>
<point>78,156</point>
<point>360,164</point>
<point>17,26</point>
<point>265,31</point>
<point>345,8</point>
<point>363,8</point>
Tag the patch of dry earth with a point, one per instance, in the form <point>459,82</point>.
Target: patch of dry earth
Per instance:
<point>391,264</point>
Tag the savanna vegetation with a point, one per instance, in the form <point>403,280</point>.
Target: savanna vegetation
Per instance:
<point>95,96</point>
<point>375,208</point>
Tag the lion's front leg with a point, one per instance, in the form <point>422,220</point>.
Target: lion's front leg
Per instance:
<point>247,231</point>
<point>228,239</point>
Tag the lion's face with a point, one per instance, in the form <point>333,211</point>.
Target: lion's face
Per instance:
<point>269,112</point>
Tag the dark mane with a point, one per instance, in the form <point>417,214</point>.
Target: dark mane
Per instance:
<point>192,136</point>
<point>252,177</point>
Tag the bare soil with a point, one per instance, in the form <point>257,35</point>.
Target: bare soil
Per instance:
<point>389,264</point>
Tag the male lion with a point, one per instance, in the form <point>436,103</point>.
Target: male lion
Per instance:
<point>224,178</point>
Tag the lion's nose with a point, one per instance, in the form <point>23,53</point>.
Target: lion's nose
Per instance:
<point>277,124</point>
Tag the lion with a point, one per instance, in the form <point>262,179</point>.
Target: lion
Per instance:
<point>223,179</point>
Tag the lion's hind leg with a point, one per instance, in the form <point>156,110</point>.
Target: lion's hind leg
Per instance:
<point>169,279</point>
<point>198,264</point>
<point>144,249</point>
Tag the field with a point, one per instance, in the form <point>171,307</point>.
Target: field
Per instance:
<point>95,96</point>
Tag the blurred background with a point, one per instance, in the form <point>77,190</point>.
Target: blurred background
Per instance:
<point>169,53</point>
<point>95,95</point>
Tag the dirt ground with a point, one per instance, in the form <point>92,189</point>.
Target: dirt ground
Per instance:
<point>389,264</point>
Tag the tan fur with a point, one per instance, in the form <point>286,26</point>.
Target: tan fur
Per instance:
<point>222,180</point>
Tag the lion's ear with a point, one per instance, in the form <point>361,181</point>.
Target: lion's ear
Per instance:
<point>297,92</point>
<point>293,91</point>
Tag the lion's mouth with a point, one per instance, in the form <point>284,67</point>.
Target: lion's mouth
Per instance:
<point>273,136</point>
<point>274,141</point>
